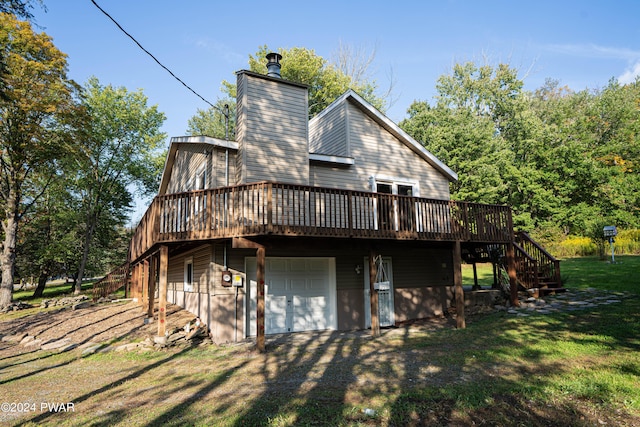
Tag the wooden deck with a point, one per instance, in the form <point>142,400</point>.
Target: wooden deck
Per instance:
<point>268,208</point>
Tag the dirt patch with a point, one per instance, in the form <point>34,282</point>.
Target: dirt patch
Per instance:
<point>101,323</point>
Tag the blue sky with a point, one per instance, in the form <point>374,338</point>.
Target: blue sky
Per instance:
<point>582,44</point>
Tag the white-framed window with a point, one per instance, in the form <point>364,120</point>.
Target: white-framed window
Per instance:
<point>188,274</point>
<point>397,214</point>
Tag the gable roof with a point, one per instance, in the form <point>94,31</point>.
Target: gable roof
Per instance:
<point>390,126</point>
<point>187,140</point>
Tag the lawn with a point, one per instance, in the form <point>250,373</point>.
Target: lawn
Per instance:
<point>577,368</point>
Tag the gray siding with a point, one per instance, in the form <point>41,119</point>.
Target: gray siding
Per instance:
<point>201,270</point>
<point>330,135</point>
<point>273,129</point>
<point>189,160</point>
<point>422,280</point>
<point>378,153</point>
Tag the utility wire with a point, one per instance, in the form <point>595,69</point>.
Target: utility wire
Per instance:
<point>154,58</point>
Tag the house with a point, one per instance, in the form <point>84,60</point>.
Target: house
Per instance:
<point>340,222</point>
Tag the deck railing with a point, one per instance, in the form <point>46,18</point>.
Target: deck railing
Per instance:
<point>294,210</point>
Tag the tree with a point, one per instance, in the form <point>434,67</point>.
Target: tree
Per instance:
<point>19,8</point>
<point>37,96</point>
<point>120,150</point>
<point>46,240</point>
<point>325,80</point>
<point>218,121</point>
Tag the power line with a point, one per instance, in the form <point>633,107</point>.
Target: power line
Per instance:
<point>153,57</point>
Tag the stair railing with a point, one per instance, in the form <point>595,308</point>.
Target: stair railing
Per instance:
<point>548,265</point>
<point>110,283</point>
<point>526,268</point>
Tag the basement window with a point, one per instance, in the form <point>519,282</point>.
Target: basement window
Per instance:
<point>188,274</point>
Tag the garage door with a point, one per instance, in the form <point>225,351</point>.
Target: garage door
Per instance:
<point>299,294</point>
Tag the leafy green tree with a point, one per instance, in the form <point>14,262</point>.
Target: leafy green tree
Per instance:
<point>217,122</point>
<point>19,8</point>
<point>326,82</point>
<point>47,238</point>
<point>121,149</point>
<point>38,96</point>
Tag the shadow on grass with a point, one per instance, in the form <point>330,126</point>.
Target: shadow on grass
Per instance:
<point>107,387</point>
<point>496,372</point>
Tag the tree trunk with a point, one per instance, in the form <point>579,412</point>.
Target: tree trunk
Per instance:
<point>88,236</point>
<point>8,257</point>
<point>42,281</point>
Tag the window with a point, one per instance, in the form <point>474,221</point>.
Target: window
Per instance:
<point>188,274</point>
<point>394,213</point>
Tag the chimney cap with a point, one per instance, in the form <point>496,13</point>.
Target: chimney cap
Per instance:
<point>273,66</point>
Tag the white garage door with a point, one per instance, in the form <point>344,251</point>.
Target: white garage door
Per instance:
<point>300,294</point>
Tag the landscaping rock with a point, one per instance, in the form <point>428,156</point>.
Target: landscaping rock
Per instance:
<point>37,343</point>
<point>79,305</point>
<point>14,338</point>
<point>54,345</point>
<point>27,339</point>
<point>91,349</point>
<point>15,306</point>
<point>65,301</point>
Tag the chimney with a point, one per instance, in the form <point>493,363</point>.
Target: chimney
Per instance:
<point>273,66</point>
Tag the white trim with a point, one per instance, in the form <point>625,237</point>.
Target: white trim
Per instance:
<point>395,181</point>
<point>332,159</point>
<point>203,139</point>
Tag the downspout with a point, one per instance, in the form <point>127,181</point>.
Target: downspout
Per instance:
<point>226,184</point>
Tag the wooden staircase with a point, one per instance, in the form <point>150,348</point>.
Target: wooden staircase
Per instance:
<point>535,267</point>
<point>537,270</point>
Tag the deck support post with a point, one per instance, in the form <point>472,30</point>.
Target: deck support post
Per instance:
<point>260,264</point>
<point>511,269</point>
<point>162,300</point>
<point>151,285</point>
<point>457,282</point>
<point>373,294</point>
<point>144,282</point>
<point>240,242</point>
<point>475,277</point>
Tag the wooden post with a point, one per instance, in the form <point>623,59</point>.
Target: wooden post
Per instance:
<point>135,277</point>
<point>141,284</point>
<point>144,281</point>
<point>457,282</point>
<point>152,285</point>
<point>511,269</point>
<point>373,295</point>
<point>475,277</point>
<point>162,300</point>
<point>260,261</point>
<point>241,242</point>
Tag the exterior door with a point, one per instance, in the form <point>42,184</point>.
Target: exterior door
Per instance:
<point>395,214</point>
<point>386,311</point>
<point>299,294</point>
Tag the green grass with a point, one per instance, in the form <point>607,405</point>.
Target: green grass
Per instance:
<point>592,272</point>
<point>578,368</point>
<point>579,273</point>
<point>54,289</point>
